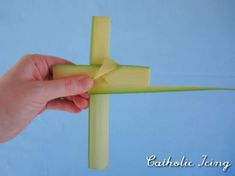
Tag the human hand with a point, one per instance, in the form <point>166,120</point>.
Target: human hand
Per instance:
<point>27,89</point>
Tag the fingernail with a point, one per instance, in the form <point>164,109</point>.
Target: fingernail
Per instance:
<point>86,83</point>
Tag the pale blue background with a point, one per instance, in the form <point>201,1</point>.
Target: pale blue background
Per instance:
<point>185,42</point>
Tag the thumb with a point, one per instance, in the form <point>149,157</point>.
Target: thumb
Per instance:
<point>66,87</point>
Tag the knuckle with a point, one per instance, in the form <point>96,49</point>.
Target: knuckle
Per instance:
<point>28,57</point>
<point>70,86</point>
<point>38,90</point>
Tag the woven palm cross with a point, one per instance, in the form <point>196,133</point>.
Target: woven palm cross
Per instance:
<point>109,78</point>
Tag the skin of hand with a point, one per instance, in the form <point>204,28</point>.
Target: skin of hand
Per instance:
<point>27,90</point>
